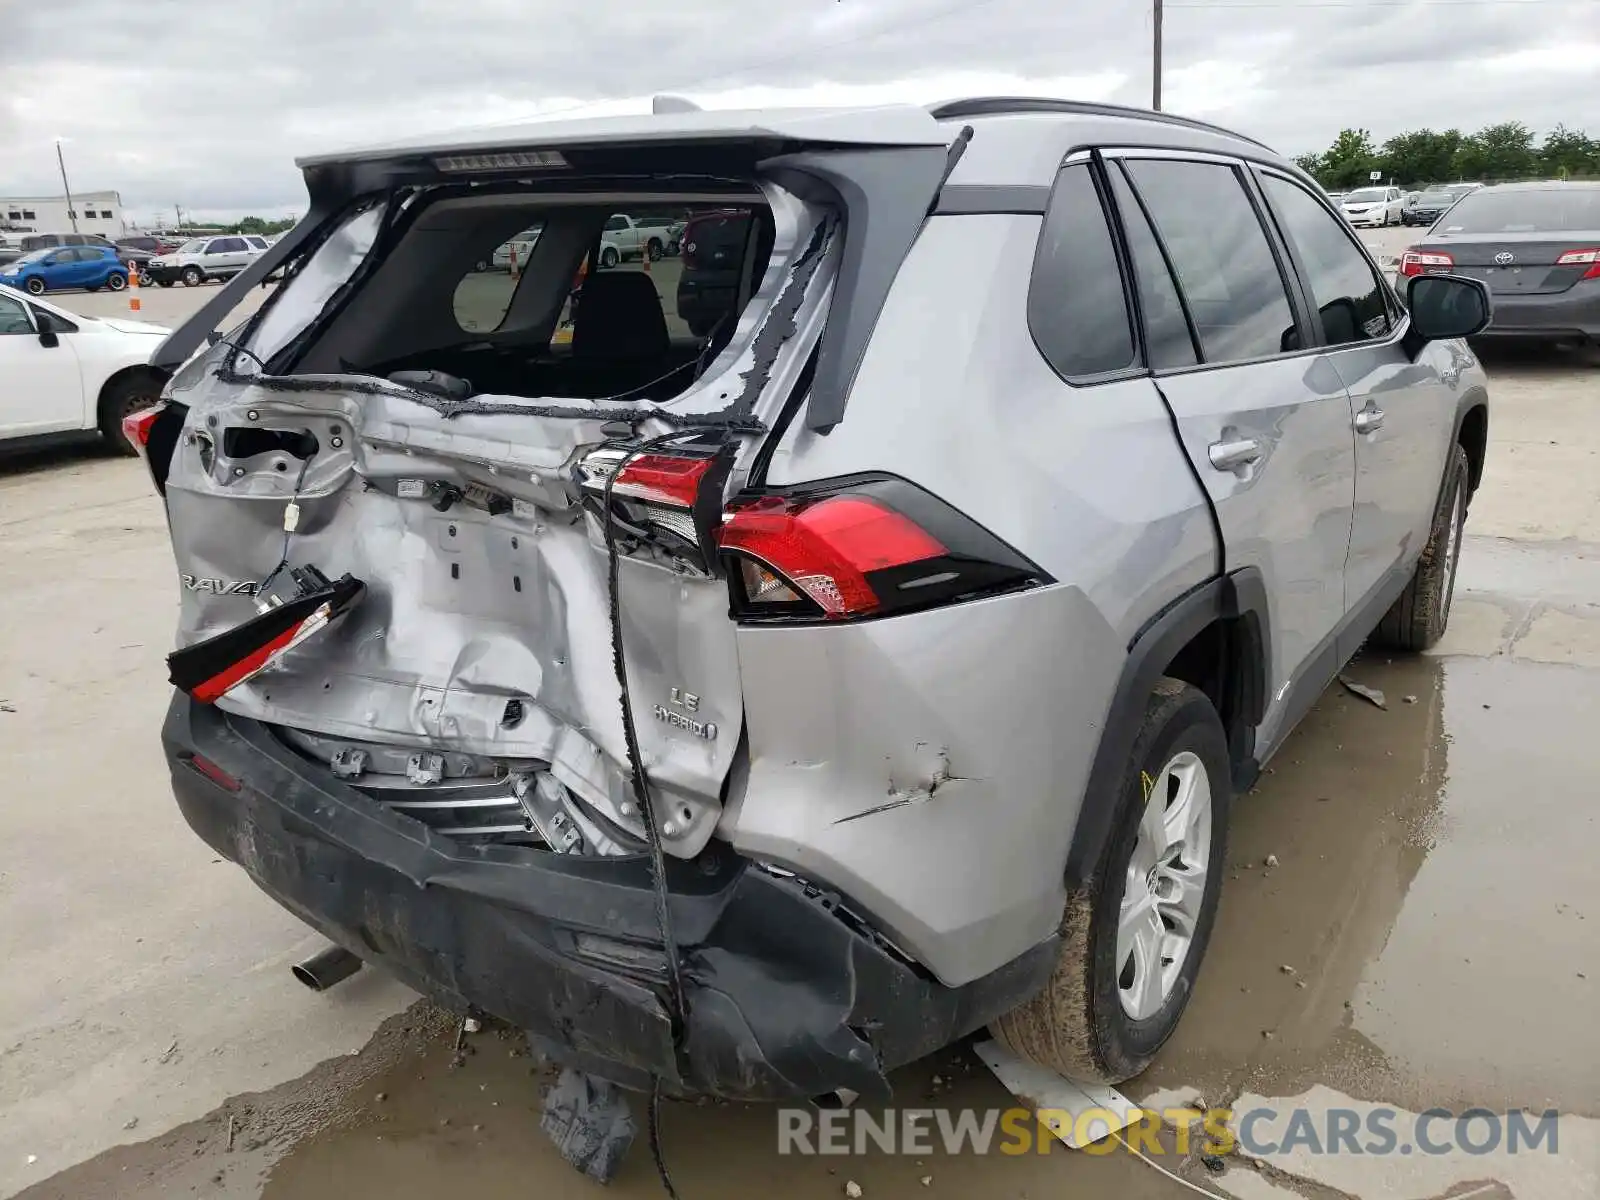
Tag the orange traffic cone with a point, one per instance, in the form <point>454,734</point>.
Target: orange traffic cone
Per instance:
<point>133,287</point>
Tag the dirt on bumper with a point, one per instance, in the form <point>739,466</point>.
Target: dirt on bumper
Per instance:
<point>786,997</point>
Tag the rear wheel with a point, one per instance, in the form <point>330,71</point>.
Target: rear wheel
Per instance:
<point>122,397</point>
<point>1134,937</point>
<point>1418,619</point>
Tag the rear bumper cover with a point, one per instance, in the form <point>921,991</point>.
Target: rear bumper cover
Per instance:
<point>1572,313</point>
<point>787,998</point>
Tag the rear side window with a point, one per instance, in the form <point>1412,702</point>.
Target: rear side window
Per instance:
<point>1077,310</point>
<point>1167,342</point>
<point>1222,258</point>
<point>1347,292</point>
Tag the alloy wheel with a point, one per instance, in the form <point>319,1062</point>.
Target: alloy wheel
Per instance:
<point>1165,886</point>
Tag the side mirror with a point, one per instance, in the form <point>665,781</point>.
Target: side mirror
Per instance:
<point>48,339</point>
<point>1447,306</point>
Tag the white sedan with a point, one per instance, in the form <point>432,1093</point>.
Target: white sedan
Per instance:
<point>62,375</point>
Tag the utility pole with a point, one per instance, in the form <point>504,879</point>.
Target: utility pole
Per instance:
<point>1155,85</point>
<point>72,212</point>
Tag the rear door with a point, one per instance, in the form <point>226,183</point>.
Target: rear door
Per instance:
<point>1404,413</point>
<point>226,256</point>
<point>1262,413</point>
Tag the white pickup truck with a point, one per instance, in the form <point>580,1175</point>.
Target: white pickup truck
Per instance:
<point>634,237</point>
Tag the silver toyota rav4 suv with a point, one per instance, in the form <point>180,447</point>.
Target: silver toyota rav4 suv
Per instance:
<point>750,712</point>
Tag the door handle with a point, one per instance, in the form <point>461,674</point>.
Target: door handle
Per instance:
<point>1369,420</point>
<point>1231,455</point>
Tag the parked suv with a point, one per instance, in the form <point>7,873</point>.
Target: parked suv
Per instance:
<point>762,715</point>
<point>201,259</point>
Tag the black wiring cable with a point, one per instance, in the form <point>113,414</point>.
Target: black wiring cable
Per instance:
<point>288,534</point>
<point>677,1001</point>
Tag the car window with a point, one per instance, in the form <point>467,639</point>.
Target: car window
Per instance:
<point>73,239</point>
<point>1077,311</point>
<point>1348,293</point>
<point>13,317</point>
<point>231,245</point>
<point>257,243</point>
<point>1225,265</point>
<point>617,222</point>
<point>1166,330</point>
<point>60,256</point>
<point>696,279</point>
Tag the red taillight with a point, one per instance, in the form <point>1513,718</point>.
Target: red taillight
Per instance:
<point>828,548</point>
<point>662,479</point>
<point>214,773</point>
<point>1420,262</point>
<point>866,546</point>
<point>1578,258</point>
<point>136,426</point>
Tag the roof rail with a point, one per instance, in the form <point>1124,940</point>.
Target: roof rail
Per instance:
<point>999,106</point>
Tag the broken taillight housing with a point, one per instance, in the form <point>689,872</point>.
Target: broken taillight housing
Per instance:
<point>210,669</point>
<point>865,546</point>
<point>669,499</point>
<point>136,426</point>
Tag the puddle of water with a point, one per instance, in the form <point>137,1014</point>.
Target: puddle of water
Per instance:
<point>1431,900</point>
<point>474,1131</point>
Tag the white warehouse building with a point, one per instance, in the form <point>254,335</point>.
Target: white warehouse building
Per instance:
<point>96,212</point>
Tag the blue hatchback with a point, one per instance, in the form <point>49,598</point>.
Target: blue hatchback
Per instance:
<point>91,267</point>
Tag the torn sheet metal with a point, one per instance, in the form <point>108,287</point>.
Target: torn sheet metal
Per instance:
<point>1065,1107</point>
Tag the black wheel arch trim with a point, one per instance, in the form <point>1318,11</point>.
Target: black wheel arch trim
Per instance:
<point>1472,399</point>
<point>1240,595</point>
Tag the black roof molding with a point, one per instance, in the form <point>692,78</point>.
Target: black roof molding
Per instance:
<point>1001,106</point>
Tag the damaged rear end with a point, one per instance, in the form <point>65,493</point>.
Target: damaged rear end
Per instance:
<point>426,517</point>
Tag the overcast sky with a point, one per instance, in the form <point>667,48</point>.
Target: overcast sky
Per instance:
<point>207,103</point>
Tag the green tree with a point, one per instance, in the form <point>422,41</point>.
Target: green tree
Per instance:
<point>1421,156</point>
<point>1311,164</point>
<point>1503,151</point>
<point>1570,154</point>
<point>1349,160</point>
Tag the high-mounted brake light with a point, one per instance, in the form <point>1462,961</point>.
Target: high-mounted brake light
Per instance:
<point>1578,258</point>
<point>1418,262</point>
<point>504,160</point>
<point>136,426</point>
<point>860,547</point>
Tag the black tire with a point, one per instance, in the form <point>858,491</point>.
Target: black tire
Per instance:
<point>1418,619</point>
<point>124,394</point>
<point>1078,1025</point>
<point>116,281</point>
<point>653,250</point>
<point>609,257</point>
<point>193,277</point>
<point>36,286</point>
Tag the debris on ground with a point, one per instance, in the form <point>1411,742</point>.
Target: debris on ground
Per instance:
<point>589,1121</point>
<point>926,1181</point>
<point>1409,699</point>
<point>852,1189</point>
<point>1370,694</point>
<point>1271,860</point>
<point>471,1025</point>
<point>1286,969</point>
<point>130,1122</point>
<point>1213,1163</point>
<point>166,1055</point>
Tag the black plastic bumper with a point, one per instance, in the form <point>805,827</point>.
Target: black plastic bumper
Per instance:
<point>786,997</point>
